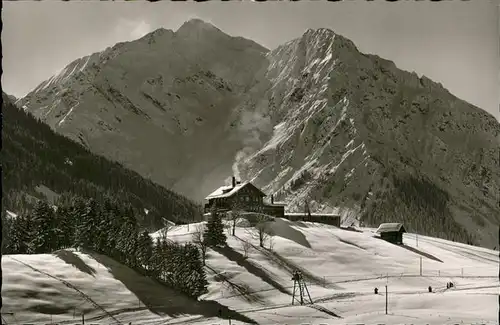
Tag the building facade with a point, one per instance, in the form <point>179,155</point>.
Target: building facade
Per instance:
<point>244,197</point>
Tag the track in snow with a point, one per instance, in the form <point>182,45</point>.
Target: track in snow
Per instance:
<point>71,286</point>
<point>460,251</point>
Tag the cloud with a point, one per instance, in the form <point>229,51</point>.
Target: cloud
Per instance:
<point>141,29</point>
<point>127,30</point>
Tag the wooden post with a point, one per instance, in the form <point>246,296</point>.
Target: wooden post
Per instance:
<point>83,319</point>
<point>307,291</point>
<point>301,290</point>
<point>420,265</point>
<point>386,299</point>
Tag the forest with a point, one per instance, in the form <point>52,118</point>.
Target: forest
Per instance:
<point>420,205</point>
<point>110,228</point>
<point>33,155</point>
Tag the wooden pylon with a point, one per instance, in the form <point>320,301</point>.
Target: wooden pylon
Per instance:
<point>300,286</point>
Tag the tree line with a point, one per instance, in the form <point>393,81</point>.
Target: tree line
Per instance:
<point>33,154</point>
<point>110,228</point>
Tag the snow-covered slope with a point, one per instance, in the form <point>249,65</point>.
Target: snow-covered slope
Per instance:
<point>341,269</point>
<point>313,119</point>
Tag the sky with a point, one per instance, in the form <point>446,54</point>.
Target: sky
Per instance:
<point>452,42</point>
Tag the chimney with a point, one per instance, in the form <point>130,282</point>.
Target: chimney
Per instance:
<point>272,198</point>
<point>234,181</point>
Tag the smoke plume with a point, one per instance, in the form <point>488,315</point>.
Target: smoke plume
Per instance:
<point>252,127</point>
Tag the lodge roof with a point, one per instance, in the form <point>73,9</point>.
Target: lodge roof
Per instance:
<point>228,191</point>
<point>391,227</point>
<point>312,214</point>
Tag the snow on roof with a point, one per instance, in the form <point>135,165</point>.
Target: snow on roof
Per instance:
<point>276,204</point>
<point>219,193</point>
<point>312,214</point>
<point>389,227</point>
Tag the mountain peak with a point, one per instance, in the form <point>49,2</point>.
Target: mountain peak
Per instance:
<point>196,24</point>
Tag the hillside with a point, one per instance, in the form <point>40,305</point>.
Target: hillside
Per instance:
<point>313,119</point>
<point>341,269</point>
<point>359,136</point>
<point>38,163</point>
<point>162,105</point>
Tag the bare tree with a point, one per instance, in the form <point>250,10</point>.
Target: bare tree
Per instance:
<point>271,242</point>
<point>227,226</point>
<point>264,231</point>
<point>246,247</point>
<point>199,240</point>
<point>234,215</point>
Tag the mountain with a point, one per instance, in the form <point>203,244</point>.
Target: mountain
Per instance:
<point>38,163</point>
<point>160,105</point>
<point>358,133</point>
<point>313,119</point>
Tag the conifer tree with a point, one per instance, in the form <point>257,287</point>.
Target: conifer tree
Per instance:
<point>128,238</point>
<point>87,229</point>
<point>145,250</point>
<point>157,258</point>
<point>65,228</point>
<point>106,228</point>
<point>20,235</point>
<point>115,219</point>
<point>194,277</point>
<point>214,232</point>
<point>200,241</point>
<point>173,262</point>
<point>6,229</point>
<point>44,229</point>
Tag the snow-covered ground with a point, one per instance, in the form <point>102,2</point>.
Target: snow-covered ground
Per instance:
<point>341,269</point>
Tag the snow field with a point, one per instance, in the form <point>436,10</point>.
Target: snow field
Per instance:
<point>341,269</point>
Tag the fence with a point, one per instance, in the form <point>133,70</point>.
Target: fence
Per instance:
<point>9,318</point>
<point>226,322</point>
<point>465,272</point>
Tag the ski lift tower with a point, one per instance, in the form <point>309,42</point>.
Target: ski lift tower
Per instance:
<point>298,283</point>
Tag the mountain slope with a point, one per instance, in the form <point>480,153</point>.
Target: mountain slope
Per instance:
<point>38,163</point>
<point>159,105</point>
<point>313,119</point>
<point>360,134</point>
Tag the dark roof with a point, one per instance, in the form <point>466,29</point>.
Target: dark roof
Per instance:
<point>391,227</point>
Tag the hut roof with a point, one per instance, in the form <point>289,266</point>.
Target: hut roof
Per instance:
<point>391,227</point>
